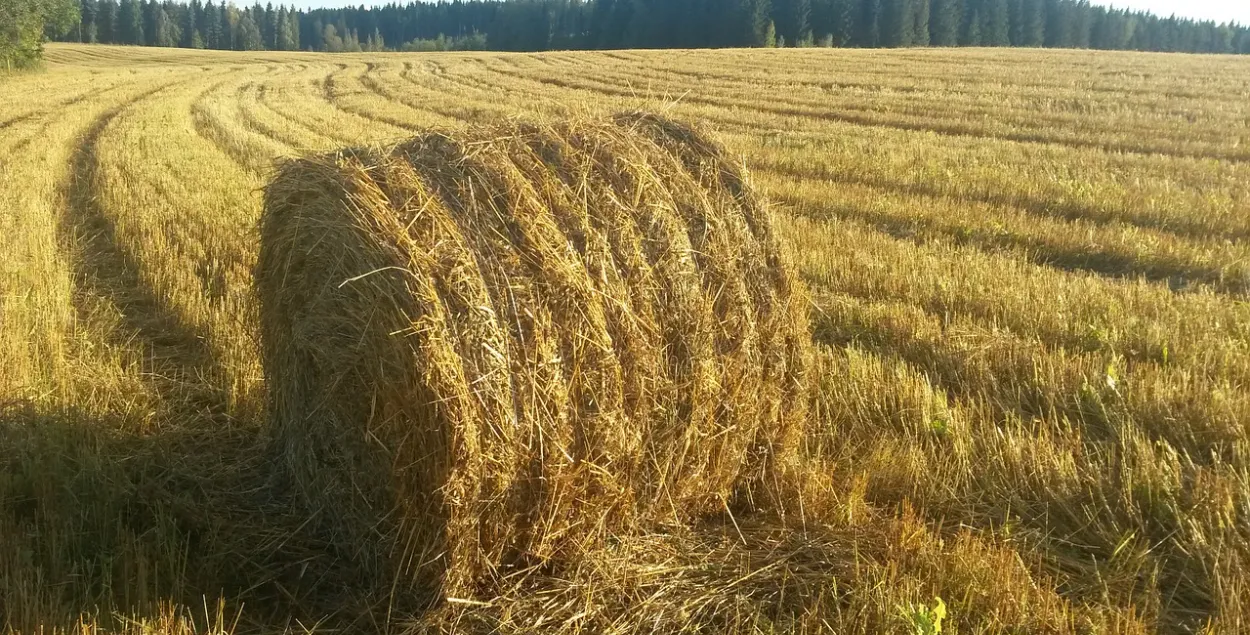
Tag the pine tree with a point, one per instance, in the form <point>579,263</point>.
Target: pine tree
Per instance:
<point>1015,25</point>
<point>597,34</point>
<point>1058,24</point>
<point>803,18</point>
<point>282,31</point>
<point>794,18</point>
<point>150,28</point>
<point>188,26</point>
<point>106,21</point>
<point>821,19</point>
<point>1082,24</point>
<point>375,43</point>
<point>868,28</point>
<point>758,26</point>
<point>87,29</point>
<point>269,27</point>
<point>972,33</point>
<point>130,23</point>
<point>211,26</point>
<point>944,22</point>
<point>841,23</point>
<point>897,23</point>
<point>168,33</point>
<point>1033,29</point>
<point>920,23</point>
<point>995,29</point>
<point>224,13</point>
<point>639,31</point>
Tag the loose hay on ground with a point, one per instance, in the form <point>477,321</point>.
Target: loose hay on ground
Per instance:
<point>498,349</point>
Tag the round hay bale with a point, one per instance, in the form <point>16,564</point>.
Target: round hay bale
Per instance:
<point>497,348</point>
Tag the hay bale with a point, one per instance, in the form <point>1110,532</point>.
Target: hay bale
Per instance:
<point>498,348</point>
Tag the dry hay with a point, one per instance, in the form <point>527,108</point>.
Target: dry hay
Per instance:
<point>497,349</point>
<point>715,578</point>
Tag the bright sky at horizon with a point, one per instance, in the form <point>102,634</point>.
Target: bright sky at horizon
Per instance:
<point>1218,10</point>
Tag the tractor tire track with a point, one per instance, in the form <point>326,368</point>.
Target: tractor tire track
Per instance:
<point>173,356</point>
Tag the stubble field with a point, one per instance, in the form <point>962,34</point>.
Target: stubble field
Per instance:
<point>1030,274</point>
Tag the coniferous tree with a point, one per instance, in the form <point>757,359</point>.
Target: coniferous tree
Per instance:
<point>842,22</point>
<point>995,28</point>
<point>1015,11</point>
<point>821,19</point>
<point>211,23</point>
<point>282,31</point>
<point>1082,24</point>
<point>600,18</point>
<point>802,16</point>
<point>87,31</point>
<point>920,23</point>
<point>868,27</point>
<point>106,20</point>
<point>897,22</point>
<point>224,17</point>
<point>545,24</point>
<point>130,23</point>
<point>316,40</point>
<point>972,30</point>
<point>638,33</point>
<point>188,26</point>
<point>1101,32</point>
<point>149,8</point>
<point>269,27</point>
<point>293,30</point>
<point>1058,24</point>
<point>1033,23</point>
<point>944,22</point>
<point>793,20</point>
<point>759,27</point>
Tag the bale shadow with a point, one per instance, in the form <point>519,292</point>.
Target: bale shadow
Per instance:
<point>104,515</point>
<point>173,352</point>
<point>98,518</point>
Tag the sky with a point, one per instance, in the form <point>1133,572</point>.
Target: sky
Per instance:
<point>1218,10</point>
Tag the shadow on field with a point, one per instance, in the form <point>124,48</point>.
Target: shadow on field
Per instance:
<point>96,519</point>
<point>107,526</point>
<point>98,516</point>
<point>107,277</point>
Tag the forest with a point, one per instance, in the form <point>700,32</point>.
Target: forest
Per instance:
<point>537,25</point>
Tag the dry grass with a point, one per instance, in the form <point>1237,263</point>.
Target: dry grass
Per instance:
<point>1029,282</point>
<point>503,349</point>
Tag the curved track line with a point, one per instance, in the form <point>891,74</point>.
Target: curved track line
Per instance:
<point>171,351</point>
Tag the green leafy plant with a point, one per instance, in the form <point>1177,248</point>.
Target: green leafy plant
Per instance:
<point>925,620</point>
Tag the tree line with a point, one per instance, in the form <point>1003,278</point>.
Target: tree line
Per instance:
<point>535,25</point>
<point>24,24</point>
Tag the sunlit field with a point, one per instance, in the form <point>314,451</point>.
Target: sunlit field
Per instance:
<point>1029,271</point>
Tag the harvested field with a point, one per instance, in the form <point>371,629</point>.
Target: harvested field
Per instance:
<point>1028,368</point>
